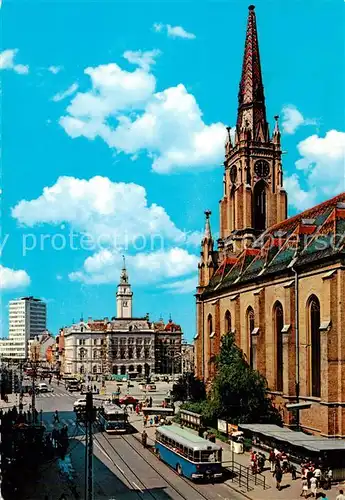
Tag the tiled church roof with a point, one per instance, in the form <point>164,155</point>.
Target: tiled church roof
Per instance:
<point>313,235</point>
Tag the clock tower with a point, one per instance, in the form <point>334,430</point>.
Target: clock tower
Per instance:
<point>254,198</point>
<point>124,295</point>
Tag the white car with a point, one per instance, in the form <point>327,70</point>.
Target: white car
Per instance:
<point>79,402</point>
<point>42,387</point>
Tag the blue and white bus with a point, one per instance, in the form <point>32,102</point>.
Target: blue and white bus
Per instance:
<point>190,455</point>
<point>112,418</point>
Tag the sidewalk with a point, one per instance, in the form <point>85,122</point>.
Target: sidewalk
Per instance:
<point>13,400</point>
<point>291,489</point>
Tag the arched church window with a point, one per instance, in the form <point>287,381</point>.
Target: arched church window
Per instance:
<point>278,327</point>
<point>259,207</point>
<point>227,322</point>
<point>315,341</point>
<point>250,328</point>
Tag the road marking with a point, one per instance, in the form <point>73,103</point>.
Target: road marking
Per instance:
<point>104,453</point>
<point>138,487</point>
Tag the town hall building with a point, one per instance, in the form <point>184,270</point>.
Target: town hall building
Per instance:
<point>276,283</point>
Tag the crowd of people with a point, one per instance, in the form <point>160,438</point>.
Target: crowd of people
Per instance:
<point>313,476</point>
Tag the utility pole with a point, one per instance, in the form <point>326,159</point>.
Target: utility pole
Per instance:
<point>89,446</point>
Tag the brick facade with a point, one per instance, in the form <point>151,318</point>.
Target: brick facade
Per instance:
<point>267,264</point>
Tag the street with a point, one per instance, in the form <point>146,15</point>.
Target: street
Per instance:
<point>122,468</point>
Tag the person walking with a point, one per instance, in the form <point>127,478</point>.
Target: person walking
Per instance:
<point>341,495</point>
<point>313,487</point>
<point>329,478</point>
<point>304,491</point>
<point>272,459</point>
<point>317,475</point>
<point>279,477</point>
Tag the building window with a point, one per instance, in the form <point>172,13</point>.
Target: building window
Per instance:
<point>122,353</point>
<point>94,341</point>
<point>260,205</point>
<point>95,354</point>
<point>94,369</point>
<point>114,370</point>
<point>315,341</point>
<point>81,341</point>
<point>278,327</point>
<point>227,322</point>
<point>123,370</point>
<point>82,353</point>
<point>130,353</point>
<point>250,328</point>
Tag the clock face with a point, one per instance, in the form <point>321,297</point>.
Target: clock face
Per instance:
<point>262,168</point>
<point>233,174</point>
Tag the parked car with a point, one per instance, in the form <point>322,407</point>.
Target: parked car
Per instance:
<point>128,400</point>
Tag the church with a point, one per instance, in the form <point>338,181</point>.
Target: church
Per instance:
<point>276,283</point>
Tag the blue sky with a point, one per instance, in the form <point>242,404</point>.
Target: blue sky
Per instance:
<point>113,119</point>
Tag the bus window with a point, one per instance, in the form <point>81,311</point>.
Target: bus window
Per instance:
<point>190,454</point>
<point>197,456</point>
<point>205,456</point>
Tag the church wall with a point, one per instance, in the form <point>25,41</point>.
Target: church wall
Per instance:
<point>329,288</point>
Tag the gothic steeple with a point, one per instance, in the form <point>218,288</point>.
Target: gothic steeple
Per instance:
<point>251,115</point>
<point>254,197</point>
<point>208,257</point>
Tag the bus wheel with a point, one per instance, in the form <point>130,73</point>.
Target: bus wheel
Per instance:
<point>179,469</point>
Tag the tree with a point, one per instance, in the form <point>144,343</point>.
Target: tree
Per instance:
<point>239,393</point>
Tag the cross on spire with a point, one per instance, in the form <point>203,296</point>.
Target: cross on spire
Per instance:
<point>251,99</point>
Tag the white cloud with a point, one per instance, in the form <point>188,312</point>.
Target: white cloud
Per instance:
<point>11,279</point>
<point>173,31</point>
<point>62,95</point>
<point>321,169</point>
<point>182,286</point>
<point>143,59</point>
<point>109,219</point>
<point>116,212</point>
<point>123,109</point>
<point>293,119</point>
<point>55,69</point>
<point>105,266</point>
<point>7,62</point>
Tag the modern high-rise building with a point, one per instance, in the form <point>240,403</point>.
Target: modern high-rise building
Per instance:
<point>27,319</point>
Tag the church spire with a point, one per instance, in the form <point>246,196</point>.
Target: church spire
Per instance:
<point>251,116</point>
<point>207,234</point>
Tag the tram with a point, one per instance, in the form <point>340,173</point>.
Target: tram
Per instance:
<point>190,455</point>
<point>111,418</point>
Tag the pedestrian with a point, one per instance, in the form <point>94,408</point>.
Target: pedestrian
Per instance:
<point>144,438</point>
<point>317,475</point>
<point>341,495</point>
<point>279,476</point>
<point>329,478</point>
<point>313,487</point>
<point>324,496</point>
<point>272,459</point>
<point>309,476</point>
<point>305,489</point>
<point>293,472</point>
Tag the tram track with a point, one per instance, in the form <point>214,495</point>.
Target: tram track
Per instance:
<point>179,495</point>
<point>190,485</point>
<point>141,488</point>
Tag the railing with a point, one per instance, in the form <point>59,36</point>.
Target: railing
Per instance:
<point>243,476</point>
